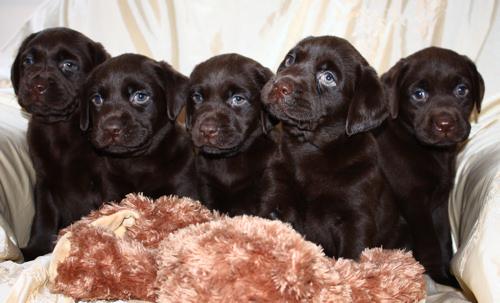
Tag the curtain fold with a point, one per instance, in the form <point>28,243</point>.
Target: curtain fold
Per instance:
<point>185,33</point>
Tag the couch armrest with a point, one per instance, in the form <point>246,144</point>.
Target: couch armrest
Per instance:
<point>475,209</point>
<point>17,177</point>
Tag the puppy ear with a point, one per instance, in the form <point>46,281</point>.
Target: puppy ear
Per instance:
<point>267,121</point>
<point>15,69</point>
<point>368,108</point>
<point>391,81</point>
<point>262,75</point>
<point>175,89</point>
<point>84,111</point>
<point>97,53</point>
<point>84,114</point>
<point>477,82</point>
<point>188,121</point>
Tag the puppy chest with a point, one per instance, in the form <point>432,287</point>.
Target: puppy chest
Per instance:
<point>231,181</point>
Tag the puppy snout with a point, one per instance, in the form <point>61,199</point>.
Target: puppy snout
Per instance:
<point>40,86</point>
<point>209,128</point>
<point>281,88</point>
<point>113,128</point>
<point>444,122</point>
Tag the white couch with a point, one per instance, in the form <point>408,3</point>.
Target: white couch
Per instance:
<point>187,32</point>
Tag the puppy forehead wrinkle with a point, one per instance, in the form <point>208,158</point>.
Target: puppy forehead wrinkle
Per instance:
<point>223,66</point>
<point>340,60</point>
<point>129,64</point>
<point>57,52</point>
<point>222,83</point>
<point>116,76</point>
<point>64,53</point>
<point>440,58</point>
<point>61,41</point>
<point>330,43</point>
<point>437,73</point>
<point>216,76</point>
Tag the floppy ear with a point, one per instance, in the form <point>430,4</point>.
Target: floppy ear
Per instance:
<point>175,89</point>
<point>84,111</point>
<point>97,53</point>
<point>84,114</point>
<point>262,75</point>
<point>267,121</point>
<point>15,69</point>
<point>368,108</point>
<point>187,122</point>
<point>477,82</point>
<point>391,81</point>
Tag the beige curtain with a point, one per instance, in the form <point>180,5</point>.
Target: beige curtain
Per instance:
<point>185,33</point>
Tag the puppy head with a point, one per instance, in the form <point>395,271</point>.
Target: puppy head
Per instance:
<point>49,69</point>
<point>325,81</point>
<point>224,110</point>
<point>129,103</point>
<point>433,93</point>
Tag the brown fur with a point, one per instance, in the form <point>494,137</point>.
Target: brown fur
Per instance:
<point>222,259</point>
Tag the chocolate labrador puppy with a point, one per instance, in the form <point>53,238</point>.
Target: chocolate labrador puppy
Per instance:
<point>129,109</point>
<point>431,95</point>
<point>229,129</point>
<point>325,179</point>
<point>47,73</point>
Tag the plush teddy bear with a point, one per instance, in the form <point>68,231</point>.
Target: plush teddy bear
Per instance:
<point>175,250</point>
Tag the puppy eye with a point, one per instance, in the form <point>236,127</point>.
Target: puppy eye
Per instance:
<point>197,98</point>
<point>139,97</point>
<point>275,214</point>
<point>28,60</point>
<point>289,60</point>
<point>327,78</point>
<point>97,100</point>
<point>68,66</point>
<point>238,100</point>
<point>461,90</point>
<point>420,95</point>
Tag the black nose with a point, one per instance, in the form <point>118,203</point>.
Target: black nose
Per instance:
<point>209,128</point>
<point>444,122</point>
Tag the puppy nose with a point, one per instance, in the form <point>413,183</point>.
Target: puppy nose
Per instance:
<point>444,122</point>
<point>209,128</point>
<point>113,128</point>
<point>282,88</point>
<point>40,87</point>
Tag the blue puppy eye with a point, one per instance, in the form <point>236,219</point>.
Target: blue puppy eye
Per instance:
<point>68,66</point>
<point>197,98</point>
<point>97,100</point>
<point>289,60</point>
<point>28,60</point>
<point>419,95</point>
<point>139,97</point>
<point>327,78</point>
<point>461,90</point>
<point>238,100</point>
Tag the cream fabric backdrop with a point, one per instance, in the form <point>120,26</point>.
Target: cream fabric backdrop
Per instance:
<point>185,33</point>
<point>475,209</point>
